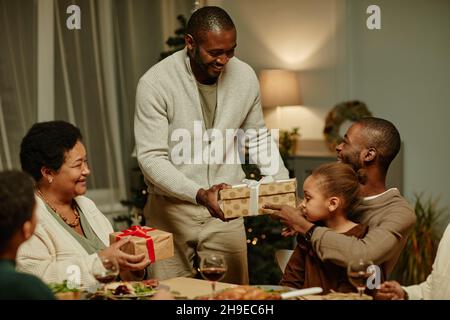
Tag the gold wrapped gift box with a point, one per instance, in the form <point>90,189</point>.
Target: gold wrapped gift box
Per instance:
<point>235,202</point>
<point>155,244</point>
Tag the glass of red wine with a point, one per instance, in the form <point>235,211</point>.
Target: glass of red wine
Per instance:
<point>213,268</point>
<point>105,270</point>
<point>358,272</point>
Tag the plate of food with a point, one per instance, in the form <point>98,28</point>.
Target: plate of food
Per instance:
<point>262,292</point>
<point>132,289</point>
<point>63,291</point>
<point>333,295</point>
<point>243,292</point>
<point>275,289</point>
<point>286,293</point>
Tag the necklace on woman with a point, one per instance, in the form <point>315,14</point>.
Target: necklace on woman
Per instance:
<point>76,221</point>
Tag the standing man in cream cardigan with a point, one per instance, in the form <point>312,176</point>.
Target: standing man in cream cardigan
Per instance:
<point>192,99</point>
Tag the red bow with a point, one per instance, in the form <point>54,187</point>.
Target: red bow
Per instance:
<point>140,232</point>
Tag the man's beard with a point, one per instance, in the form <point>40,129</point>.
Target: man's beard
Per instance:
<point>203,66</point>
<point>352,160</point>
<point>198,60</point>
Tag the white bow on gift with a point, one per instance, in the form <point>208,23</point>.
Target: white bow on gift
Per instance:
<point>254,193</point>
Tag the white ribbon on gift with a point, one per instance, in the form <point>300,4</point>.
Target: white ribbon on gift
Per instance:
<point>254,193</point>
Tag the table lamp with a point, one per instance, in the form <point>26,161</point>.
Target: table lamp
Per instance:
<point>279,88</point>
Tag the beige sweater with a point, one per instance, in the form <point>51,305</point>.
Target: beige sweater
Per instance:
<point>51,250</point>
<point>167,99</point>
<point>390,219</point>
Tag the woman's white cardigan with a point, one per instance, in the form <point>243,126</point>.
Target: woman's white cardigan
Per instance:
<point>54,255</point>
<point>437,285</point>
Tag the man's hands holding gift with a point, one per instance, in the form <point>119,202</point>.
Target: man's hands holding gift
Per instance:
<point>291,217</point>
<point>209,199</point>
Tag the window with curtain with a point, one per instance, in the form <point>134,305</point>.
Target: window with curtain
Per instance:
<point>18,71</point>
<point>137,42</point>
<point>85,93</point>
<point>140,30</point>
<point>95,71</point>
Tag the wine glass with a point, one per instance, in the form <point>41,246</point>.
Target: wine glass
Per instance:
<point>105,270</point>
<point>358,271</point>
<point>213,268</point>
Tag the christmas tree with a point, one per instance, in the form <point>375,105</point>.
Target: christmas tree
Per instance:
<point>176,42</point>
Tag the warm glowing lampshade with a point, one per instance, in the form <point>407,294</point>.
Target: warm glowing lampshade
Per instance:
<point>279,88</point>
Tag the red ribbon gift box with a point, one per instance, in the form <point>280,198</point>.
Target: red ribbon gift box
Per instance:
<point>156,244</point>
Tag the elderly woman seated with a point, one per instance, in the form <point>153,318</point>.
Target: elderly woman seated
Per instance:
<point>71,231</point>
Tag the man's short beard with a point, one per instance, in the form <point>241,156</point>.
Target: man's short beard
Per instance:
<point>198,60</point>
<point>355,166</point>
<point>203,66</point>
<point>353,161</point>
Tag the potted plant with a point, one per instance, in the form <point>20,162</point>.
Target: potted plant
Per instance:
<point>289,142</point>
<point>416,261</point>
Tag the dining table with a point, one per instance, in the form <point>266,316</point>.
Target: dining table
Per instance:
<point>183,288</point>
